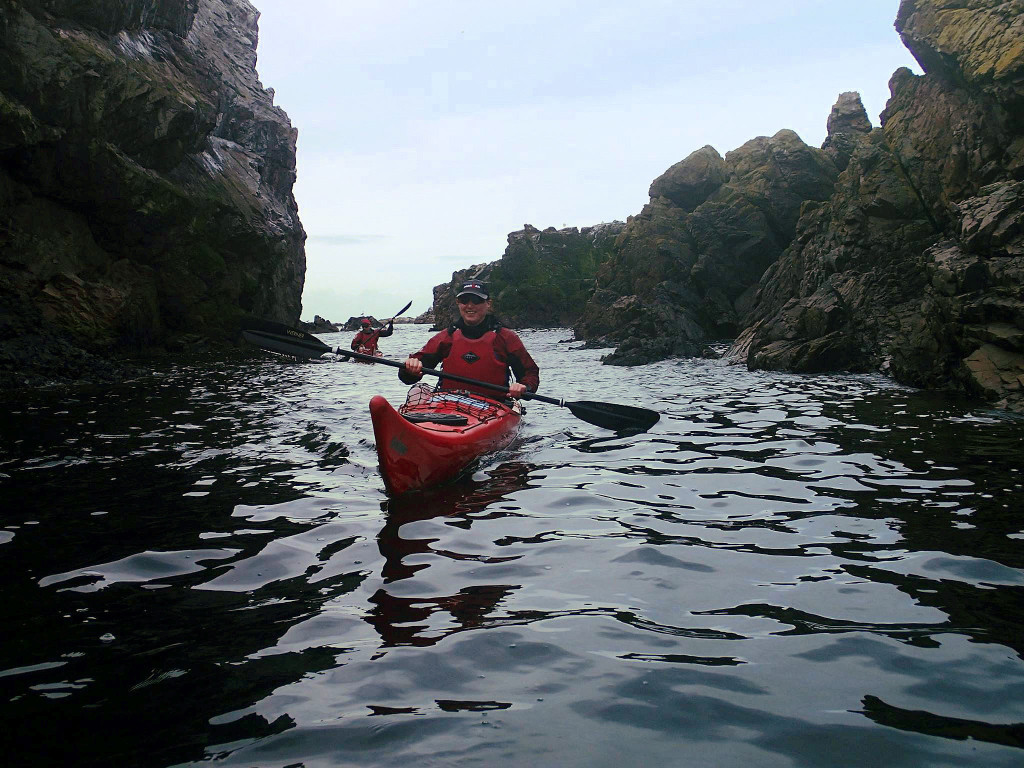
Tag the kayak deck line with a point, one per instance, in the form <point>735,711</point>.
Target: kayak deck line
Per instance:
<point>425,405</point>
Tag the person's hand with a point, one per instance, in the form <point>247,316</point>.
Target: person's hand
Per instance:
<point>414,365</point>
<point>516,389</point>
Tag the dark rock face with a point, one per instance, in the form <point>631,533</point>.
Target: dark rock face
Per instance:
<point>874,221</point>
<point>543,279</point>
<point>847,122</point>
<point>426,318</point>
<point>320,325</point>
<point>914,265</point>
<point>683,269</point>
<point>898,248</point>
<point>145,180</point>
<point>356,323</point>
<point>113,16</point>
<point>979,43</point>
<point>690,182</point>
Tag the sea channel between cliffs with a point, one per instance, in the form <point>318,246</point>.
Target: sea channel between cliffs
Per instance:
<point>203,569</point>
<point>814,558</point>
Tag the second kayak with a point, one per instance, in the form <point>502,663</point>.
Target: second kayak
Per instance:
<point>436,435</point>
<point>367,351</point>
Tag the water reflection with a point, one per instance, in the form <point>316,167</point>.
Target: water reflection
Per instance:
<point>1010,735</point>
<point>784,571</point>
<point>414,620</point>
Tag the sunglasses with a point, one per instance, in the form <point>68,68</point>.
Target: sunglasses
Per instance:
<point>470,299</point>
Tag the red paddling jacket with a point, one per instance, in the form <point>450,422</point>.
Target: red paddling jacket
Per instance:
<point>368,339</point>
<point>486,352</point>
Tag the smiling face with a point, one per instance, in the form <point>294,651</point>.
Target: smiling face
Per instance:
<point>473,309</point>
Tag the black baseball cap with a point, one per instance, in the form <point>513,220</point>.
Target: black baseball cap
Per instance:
<point>474,287</point>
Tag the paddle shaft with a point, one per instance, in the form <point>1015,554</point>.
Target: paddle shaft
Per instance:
<point>442,375</point>
<point>376,334</point>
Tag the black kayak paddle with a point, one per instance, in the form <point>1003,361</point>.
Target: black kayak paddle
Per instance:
<point>276,337</point>
<point>397,314</point>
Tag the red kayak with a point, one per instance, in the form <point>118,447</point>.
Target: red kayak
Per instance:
<point>367,351</point>
<point>435,436</point>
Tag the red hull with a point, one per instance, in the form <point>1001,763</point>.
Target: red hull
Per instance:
<point>365,351</point>
<point>415,456</point>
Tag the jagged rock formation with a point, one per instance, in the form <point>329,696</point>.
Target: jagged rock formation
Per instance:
<point>915,264</point>
<point>683,269</point>
<point>847,122</point>
<point>145,181</point>
<point>899,248</point>
<point>426,318</point>
<point>355,323</point>
<point>319,325</point>
<point>542,280</point>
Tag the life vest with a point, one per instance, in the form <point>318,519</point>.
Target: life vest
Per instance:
<point>367,339</point>
<point>476,359</point>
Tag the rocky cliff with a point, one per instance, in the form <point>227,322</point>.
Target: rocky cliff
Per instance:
<point>915,263</point>
<point>543,279</point>
<point>145,181</point>
<point>682,269</point>
<point>898,248</point>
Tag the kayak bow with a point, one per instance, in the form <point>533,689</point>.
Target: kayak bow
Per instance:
<point>435,436</point>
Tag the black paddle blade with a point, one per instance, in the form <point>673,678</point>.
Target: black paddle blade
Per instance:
<point>287,341</point>
<point>619,418</point>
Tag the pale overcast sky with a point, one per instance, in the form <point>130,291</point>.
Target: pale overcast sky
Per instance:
<point>430,130</point>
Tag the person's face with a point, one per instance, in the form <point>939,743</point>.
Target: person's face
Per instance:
<point>473,309</point>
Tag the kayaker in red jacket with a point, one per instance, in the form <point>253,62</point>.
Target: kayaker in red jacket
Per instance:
<point>367,337</point>
<point>478,347</point>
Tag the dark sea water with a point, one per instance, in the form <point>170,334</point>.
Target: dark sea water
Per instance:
<point>201,568</point>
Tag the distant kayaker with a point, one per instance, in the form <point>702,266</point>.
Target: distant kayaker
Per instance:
<point>477,347</point>
<point>366,340</point>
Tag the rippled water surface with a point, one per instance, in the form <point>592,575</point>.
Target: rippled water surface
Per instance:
<point>203,568</point>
